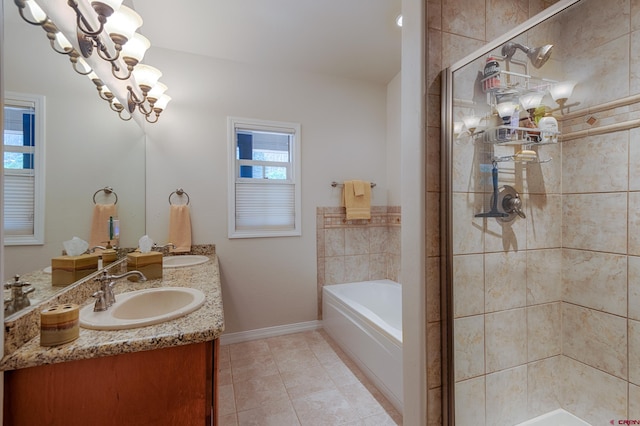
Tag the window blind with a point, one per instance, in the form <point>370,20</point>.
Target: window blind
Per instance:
<point>265,205</point>
<point>19,190</point>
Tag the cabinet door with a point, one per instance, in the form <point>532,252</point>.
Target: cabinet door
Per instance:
<point>172,386</point>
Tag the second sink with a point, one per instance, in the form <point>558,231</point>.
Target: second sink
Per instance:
<point>183,260</point>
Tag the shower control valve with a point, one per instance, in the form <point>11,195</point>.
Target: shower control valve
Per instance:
<point>513,204</point>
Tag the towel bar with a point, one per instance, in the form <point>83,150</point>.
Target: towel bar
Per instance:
<point>334,184</point>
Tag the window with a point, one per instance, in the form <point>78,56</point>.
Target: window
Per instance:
<point>23,169</point>
<point>264,178</point>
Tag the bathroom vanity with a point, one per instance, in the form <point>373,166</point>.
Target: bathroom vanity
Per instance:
<point>158,374</point>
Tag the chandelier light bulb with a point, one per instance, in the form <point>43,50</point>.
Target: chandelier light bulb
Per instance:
<point>562,91</point>
<point>113,4</point>
<point>36,12</point>
<point>157,91</point>
<point>122,24</point>
<point>506,109</point>
<point>63,42</point>
<point>531,100</point>
<point>146,76</point>
<point>136,47</point>
<point>162,102</point>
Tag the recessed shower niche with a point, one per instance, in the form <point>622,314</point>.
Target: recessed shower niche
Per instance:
<point>542,234</point>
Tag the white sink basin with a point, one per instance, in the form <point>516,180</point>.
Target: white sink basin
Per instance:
<point>182,261</point>
<point>143,307</point>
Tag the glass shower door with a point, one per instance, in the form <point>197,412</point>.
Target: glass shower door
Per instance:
<point>542,193</point>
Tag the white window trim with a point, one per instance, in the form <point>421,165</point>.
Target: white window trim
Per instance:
<point>275,126</point>
<point>39,166</point>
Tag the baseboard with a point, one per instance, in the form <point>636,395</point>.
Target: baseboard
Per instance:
<point>262,333</point>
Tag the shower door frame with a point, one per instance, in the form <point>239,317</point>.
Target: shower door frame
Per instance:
<point>446,209</point>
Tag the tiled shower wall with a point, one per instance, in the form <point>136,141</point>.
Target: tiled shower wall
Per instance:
<point>546,308</point>
<point>357,250</point>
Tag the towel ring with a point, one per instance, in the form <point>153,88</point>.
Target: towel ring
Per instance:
<point>179,192</point>
<point>108,191</point>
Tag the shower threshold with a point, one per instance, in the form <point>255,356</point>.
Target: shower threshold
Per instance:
<point>557,417</point>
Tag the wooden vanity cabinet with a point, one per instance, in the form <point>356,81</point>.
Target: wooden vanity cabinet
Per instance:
<point>171,386</point>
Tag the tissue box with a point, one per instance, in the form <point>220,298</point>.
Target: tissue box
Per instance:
<point>108,256</point>
<point>66,270</point>
<point>150,264</point>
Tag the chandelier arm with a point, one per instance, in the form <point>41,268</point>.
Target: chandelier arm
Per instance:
<point>105,97</point>
<point>133,100</point>
<point>21,7</point>
<point>157,116</point>
<point>83,24</point>
<point>144,110</point>
<point>65,51</point>
<point>124,119</point>
<point>75,68</point>
<point>115,68</point>
<point>103,52</point>
<point>115,107</point>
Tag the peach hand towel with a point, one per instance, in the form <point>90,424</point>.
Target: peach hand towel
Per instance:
<point>180,228</point>
<point>357,206</point>
<point>100,224</point>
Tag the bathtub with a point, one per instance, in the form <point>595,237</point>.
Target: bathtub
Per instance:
<point>365,320</point>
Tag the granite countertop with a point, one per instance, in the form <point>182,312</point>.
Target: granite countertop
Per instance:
<point>204,324</point>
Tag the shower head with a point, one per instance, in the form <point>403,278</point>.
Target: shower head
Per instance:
<point>537,56</point>
<point>540,55</point>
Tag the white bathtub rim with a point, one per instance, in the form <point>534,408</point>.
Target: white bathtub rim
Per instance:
<point>380,324</point>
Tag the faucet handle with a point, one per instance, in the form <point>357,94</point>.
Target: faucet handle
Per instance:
<point>103,277</point>
<point>16,283</point>
<point>101,303</point>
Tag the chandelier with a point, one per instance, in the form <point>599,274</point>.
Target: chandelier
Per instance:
<point>101,41</point>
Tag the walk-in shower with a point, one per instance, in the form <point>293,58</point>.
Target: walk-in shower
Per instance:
<point>541,213</point>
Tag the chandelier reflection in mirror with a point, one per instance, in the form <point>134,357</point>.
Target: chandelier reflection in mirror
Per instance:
<point>106,48</point>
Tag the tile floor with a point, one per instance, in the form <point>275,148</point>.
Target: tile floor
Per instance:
<point>298,379</point>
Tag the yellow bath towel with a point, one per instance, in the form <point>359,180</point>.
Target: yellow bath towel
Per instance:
<point>356,196</point>
<point>100,224</point>
<point>180,228</point>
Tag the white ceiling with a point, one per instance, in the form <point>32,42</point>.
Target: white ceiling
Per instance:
<point>350,38</point>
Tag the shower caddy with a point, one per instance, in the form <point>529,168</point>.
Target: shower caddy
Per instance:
<point>512,84</point>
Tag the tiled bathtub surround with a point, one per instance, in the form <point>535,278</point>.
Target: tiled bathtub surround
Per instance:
<point>357,250</point>
<point>546,308</point>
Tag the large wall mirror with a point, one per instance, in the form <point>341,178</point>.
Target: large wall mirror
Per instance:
<point>87,147</point>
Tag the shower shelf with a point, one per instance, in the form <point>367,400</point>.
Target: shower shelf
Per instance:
<point>509,135</point>
<point>510,81</point>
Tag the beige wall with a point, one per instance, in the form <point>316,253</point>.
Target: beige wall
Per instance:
<point>266,281</point>
<point>545,307</point>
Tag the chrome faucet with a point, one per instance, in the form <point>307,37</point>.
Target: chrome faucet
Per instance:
<point>19,299</point>
<point>156,246</point>
<point>105,296</point>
